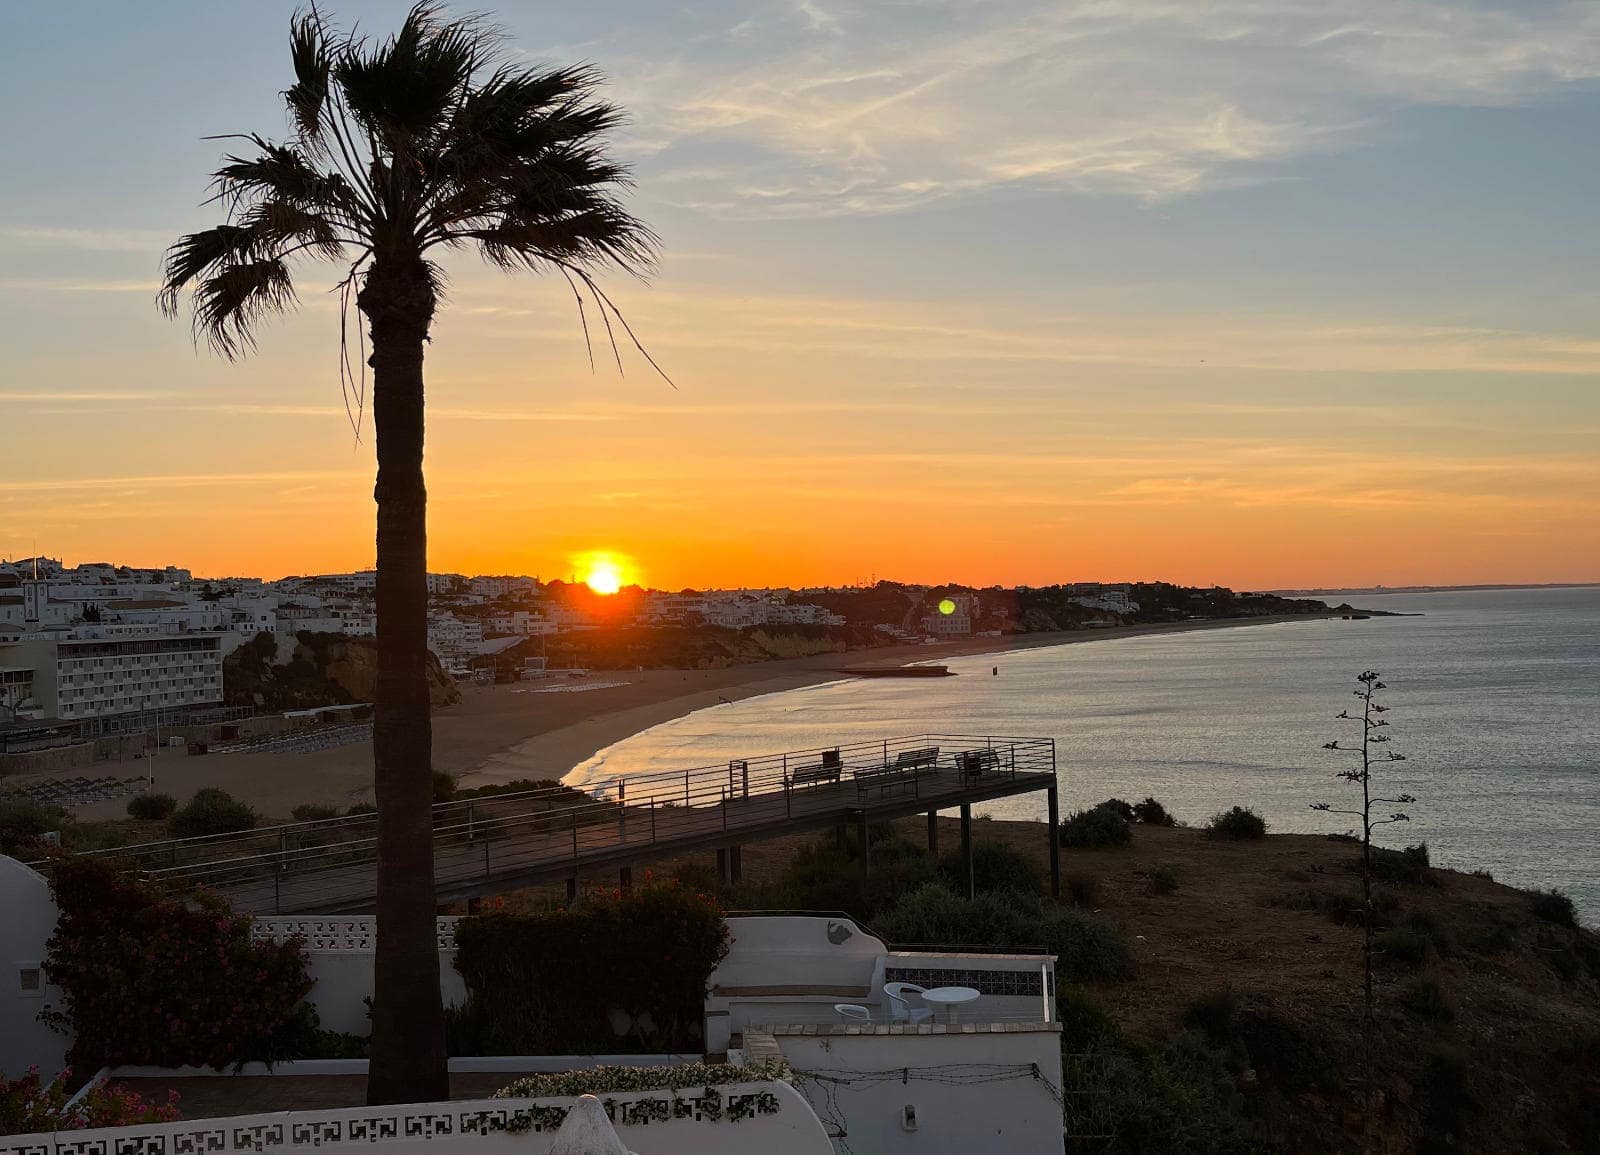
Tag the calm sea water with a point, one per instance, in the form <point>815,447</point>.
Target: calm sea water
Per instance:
<point>1494,696</point>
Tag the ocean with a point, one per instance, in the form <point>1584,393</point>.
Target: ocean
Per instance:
<point>1494,700</point>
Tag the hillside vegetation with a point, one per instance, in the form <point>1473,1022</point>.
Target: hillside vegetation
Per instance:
<point>323,670</point>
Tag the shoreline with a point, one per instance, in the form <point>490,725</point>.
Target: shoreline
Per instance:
<point>572,745</point>
<point>544,730</point>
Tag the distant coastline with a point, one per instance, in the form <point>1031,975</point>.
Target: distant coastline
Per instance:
<point>1379,591</point>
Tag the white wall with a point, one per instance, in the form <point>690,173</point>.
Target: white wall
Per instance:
<point>973,1104</point>
<point>787,1126</point>
<point>27,919</point>
<point>791,950</point>
<point>339,959</point>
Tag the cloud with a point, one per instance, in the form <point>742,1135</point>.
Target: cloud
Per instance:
<point>94,240</point>
<point>71,397</point>
<point>889,107</point>
<point>47,285</point>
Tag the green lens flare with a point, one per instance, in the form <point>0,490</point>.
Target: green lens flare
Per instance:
<point>947,607</point>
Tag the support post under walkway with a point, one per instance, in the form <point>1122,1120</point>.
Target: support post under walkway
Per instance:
<point>1055,843</point>
<point>866,844</point>
<point>966,849</point>
<point>933,834</point>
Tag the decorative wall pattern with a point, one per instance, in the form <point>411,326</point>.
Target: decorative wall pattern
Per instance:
<point>341,933</point>
<point>425,1121</point>
<point>989,982</point>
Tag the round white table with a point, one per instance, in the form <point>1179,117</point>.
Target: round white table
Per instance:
<point>950,998</point>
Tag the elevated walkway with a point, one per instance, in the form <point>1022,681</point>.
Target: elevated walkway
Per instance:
<point>493,844</point>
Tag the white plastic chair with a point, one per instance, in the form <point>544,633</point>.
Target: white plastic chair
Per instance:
<point>852,1011</point>
<point>900,1008</point>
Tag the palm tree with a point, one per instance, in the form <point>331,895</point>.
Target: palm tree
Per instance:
<point>432,139</point>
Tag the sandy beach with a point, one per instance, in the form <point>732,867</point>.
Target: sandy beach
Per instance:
<point>544,729</point>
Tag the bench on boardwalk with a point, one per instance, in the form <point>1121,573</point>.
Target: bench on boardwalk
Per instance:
<point>918,761</point>
<point>828,770</point>
<point>882,779</point>
<point>974,764</point>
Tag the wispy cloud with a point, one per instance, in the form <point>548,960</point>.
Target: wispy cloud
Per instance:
<point>94,240</point>
<point>56,285</point>
<point>888,107</point>
<point>86,397</point>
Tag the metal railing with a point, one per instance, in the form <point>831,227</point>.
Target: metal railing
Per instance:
<point>499,835</point>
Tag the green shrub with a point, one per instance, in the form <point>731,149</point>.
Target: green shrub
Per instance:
<point>1083,1018</point>
<point>1425,999</point>
<point>1490,938</point>
<point>311,812</point>
<point>444,786</point>
<point>1117,806</point>
<point>211,811</point>
<point>995,866</point>
<point>697,876</point>
<point>151,806</point>
<point>515,786</point>
<point>614,1080</point>
<point>549,983</point>
<point>1087,949</point>
<point>1275,1046</point>
<point>1403,946</point>
<point>1425,924</point>
<point>1237,824</point>
<point>1083,890</point>
<point>1448,1102</point>
<point>1175,1099</point>
<point>22,820</point>
<point>29,1106</point>
<point>1553,906</point>
<point>1408,867</point>
<point>361,810</point>
<point>1162,879</point>
<point>1212,1016</point>
<point>337,1045</point>
<point>1094,829</point>
<point>153,981</point>
<point>1152,813</point>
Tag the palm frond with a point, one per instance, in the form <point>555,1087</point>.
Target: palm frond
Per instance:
<point>282,172</point>
<point>308,49</point>
<point>402,90</point>
<point>230,303</point>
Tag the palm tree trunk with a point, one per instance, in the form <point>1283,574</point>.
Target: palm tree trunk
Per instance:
<point>408,1057</point>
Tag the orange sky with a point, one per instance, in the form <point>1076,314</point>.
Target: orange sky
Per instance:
<point>1018,292</point>
<point>829,440</point>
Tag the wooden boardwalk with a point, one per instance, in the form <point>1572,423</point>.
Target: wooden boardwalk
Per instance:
<point>489,845</point>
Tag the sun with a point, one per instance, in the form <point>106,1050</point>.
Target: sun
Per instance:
<point>603,578</point>
<point>605,572</point>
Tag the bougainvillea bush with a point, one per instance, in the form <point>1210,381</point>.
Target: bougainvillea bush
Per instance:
<point>615,1080</point>
<point>30,1106</point>
<point>151,980</point>
<point>620,974</point>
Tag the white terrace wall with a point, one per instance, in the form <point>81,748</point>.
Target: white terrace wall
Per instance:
<point>971,1089</point>
<point>794,968</point>
<point>730,1120</point>
<point>27,920</point>
<point>1015,987</point>
<point>339,954</point>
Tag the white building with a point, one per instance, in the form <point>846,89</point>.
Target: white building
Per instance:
<point>101,672</point>
<point>449,635</point>
<point>1112,599</point>
<point>952,618</point>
